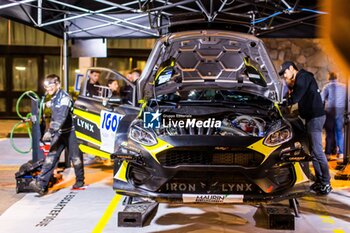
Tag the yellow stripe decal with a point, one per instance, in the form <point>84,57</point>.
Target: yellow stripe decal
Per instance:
<point>107,214</point>
<point>327,219</point>
<point>301,177</point>
<point>261,148</point>
<point>278,108</point>
<point>87,138</point>
<point>160,146</point>
<point>338,231</point>
<point>88,116</point>
<point>144,104</point>
<point>93,151</point>
<point>121,173</point>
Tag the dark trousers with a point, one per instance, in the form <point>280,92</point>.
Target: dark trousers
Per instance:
<point>314,128</point>
<point>329,126</point>
<point>59,142</point>
<point>334,130</point>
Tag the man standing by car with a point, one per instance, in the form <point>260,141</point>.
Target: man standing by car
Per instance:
<point>91,89</point>
<point>305,92</point>
<point>334,95</point>
<point>134,75</point>
<point>127,91</point>
<point>61,134</point>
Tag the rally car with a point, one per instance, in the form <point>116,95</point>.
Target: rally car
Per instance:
<point>205,125</point>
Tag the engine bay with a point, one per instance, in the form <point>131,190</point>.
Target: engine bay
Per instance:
<point>217,121</point>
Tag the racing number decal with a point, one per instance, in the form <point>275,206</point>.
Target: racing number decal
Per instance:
<point>108,129</point>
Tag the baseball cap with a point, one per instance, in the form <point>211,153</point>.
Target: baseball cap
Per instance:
<point>285,66</point>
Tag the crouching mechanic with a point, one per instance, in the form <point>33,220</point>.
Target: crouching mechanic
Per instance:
<point>61,134</point>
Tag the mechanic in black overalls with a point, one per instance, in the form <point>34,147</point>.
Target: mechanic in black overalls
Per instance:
<point>61,134</point>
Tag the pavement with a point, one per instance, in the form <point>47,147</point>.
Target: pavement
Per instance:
<point>9,165</point>
<point>7,125</point>
<point>95,208</point>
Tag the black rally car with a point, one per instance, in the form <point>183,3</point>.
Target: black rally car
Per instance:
<point>209,127</point>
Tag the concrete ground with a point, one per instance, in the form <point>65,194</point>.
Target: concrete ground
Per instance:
<point>95,208</point>
<point>9,165</point>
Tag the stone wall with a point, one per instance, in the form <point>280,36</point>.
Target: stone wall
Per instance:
<point>306,53</point>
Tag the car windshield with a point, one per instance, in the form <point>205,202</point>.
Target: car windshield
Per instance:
<point>215,95</point>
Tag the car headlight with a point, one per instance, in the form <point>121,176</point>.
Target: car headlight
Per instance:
<point>278,137</point>
<point>142,136</point>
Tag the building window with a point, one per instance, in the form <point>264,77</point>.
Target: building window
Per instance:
<point>2,105</point>
<point>52,65</point>
<point>25,74</point>
<point>121,65</point>
<point>25,105</point>
<point>2,74</point>
<point>141,64</point>
<point>73,65</point>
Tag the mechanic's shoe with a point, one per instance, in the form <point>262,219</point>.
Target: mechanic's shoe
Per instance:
<point>325,189</point>
<point>78,185</point>
<point>98,159</point>
<point>36,187</point>
<point>340,157</point>
<point>331,157</point>
<point>315,186</point>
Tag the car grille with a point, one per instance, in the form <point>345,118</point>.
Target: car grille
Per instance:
<point>246,158</point>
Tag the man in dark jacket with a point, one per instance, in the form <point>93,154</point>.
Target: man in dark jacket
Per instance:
<point>305,92</point>
<point>61,134</point>
<point>91,87</point>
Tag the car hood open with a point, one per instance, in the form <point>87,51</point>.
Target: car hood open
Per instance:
<point>203,58</point>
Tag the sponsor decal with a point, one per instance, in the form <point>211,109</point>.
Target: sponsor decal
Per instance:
<point>108,130</point>
<point>212,198</point>
<point>85,125</point>
<point>222,148</point>
<point>110,121</point>
<point>180,187</point>
<point>236,187</point>
<point>57,209</point>
<point>292,159</point>
<point>157,120</point>
<point>223,187</point>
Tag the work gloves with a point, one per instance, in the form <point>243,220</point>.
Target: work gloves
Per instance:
<point>47,137</point>
<point>52,131</point>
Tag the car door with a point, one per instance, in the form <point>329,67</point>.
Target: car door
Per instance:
<point>98,112</point>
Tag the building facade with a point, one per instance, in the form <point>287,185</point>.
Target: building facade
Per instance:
<point>27,55</point>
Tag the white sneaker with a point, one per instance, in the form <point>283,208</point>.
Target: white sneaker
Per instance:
<point>341,156</point>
